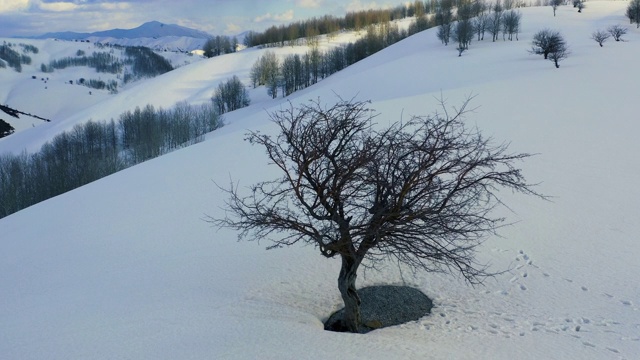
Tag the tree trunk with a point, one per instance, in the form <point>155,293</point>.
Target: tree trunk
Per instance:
<point>347,287</point>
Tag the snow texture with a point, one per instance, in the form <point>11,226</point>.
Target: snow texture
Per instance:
<point>126,267</point>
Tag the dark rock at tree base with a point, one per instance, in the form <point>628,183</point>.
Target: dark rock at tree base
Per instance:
<point>384,306</point>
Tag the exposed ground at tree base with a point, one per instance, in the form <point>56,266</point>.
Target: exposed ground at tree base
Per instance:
<point>384,306</point>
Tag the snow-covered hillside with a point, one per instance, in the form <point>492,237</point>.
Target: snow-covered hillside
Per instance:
<point>51,95</point>
<point>126,267</point>
<point>194,84</point>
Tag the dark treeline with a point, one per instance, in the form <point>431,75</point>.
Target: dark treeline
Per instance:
<point>220,45</point>
<point>94,150</point>
<point>145,63</point>
<point>5,129</point>
<point>29,48</point>
<point>290,34</point>
<point>101,61</point>
<point>230,95</point>
<point>473,18</point>
<point>297,72</point>
<point>13,58</point>
<point>138,62</point>
<point>111,85</point>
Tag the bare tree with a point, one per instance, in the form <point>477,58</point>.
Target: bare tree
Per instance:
<point>495,20</point>
<point>580,5</point>
<point>230,95</point>
<point>264,69</point>
<point>420,191</point>
<point>511,23</point>
<point>444,16</point>
<point>554,5</point>
<point>480,24</point>
<point>463,34</point>
<point>545,41</point>
<point>617,32</point>
<point>600,36</point>
<point>444,33</point>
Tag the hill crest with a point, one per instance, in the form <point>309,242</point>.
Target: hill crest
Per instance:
<point>151,29</point>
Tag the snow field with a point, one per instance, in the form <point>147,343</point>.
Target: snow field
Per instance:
<point>127,267</point>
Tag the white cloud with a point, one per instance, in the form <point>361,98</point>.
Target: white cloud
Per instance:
<point>58,6</point>
<point>309,3</point>
<point>286,16</point>
<point>116,6</point>
<point>358,5</point>
<point>264,17</point>
<point>13,5</point>
<point>232,29</point>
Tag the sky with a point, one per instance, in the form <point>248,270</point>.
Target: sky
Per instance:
<point>217,17</point>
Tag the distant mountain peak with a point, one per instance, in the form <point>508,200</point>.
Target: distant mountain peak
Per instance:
<point>151,29</point>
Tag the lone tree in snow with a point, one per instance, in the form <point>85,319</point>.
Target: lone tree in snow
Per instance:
<point>600,36</point>
<point>551,45</point>
<point>420,191</point>
<point>546,42</point>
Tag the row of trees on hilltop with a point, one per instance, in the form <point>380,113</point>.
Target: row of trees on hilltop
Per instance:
<point>296,72</point>
<point>328,25</point>
<point>144,62</point>
<point>93,150</point>
<point>220,45</point>
<point>137,62</point>
<point>474,20</point>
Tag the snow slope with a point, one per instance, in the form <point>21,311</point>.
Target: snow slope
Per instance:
<point>50,95</point>
<point>126,267</point>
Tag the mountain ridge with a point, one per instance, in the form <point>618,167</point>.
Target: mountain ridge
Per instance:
<point>151,29</point>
